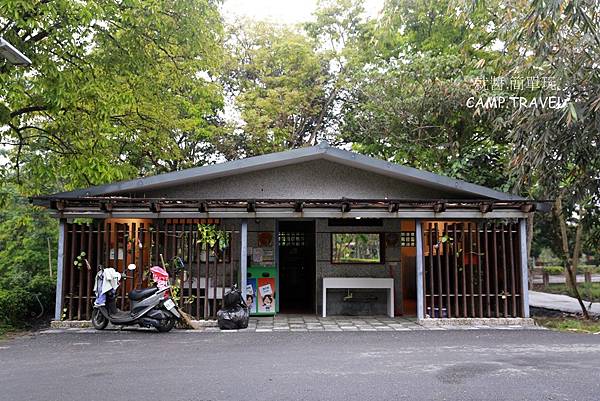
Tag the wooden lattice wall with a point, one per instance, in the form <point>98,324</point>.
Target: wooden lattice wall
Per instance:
<point>472,270</point>
<point>117,243</point>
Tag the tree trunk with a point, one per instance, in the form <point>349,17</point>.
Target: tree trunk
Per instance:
<point>570,261</point>
<point>530,265</point>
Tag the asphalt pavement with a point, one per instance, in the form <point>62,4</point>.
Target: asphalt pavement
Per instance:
<point>412,365</point>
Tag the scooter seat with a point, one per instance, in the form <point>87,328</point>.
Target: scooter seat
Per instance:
<point>137,295</point>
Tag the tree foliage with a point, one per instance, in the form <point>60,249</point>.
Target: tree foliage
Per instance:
<point>116,89</point>
<point>276,80</point>
<point>121,89</point>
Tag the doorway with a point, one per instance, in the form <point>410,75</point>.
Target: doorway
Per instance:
<point>296,247</point>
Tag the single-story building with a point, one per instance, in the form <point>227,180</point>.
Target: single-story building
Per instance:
<point>331,231</point>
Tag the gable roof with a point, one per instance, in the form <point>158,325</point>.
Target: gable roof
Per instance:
<point>272,160</point>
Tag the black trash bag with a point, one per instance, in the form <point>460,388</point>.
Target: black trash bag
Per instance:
<point>233,298</point>
<point>234,314</point>
<point>233,318</point>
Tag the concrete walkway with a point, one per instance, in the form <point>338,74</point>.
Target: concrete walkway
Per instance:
<point>562,303</point>
<point>312,323</point>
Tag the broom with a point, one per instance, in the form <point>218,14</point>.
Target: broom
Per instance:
<point>186,320</point>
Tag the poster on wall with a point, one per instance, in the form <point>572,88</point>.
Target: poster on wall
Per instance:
<point>265,239</point>
<point>267,255</point>
<point>257,255</point>
<point>266,295</point>
<point>251,295</point>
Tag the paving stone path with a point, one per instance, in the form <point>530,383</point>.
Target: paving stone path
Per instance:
<point>311,323</point>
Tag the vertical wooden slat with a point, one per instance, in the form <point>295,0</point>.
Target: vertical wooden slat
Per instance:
<point>107,230</point>
<point>165,253</point>
<point>206,279</point>
<point>504,276</point>
<point>215,285</point>
<point>446,248</point>
<point>479,274</point>
<point>512,270</point>
<point>455,262</point>
<point>80,271</point>
<point>431,281</point>
<point>439,272</point>
<point>521,253</point>
<point>198,250</point>
<point>141,239</point>
<point>487,268</point>
<point>180,251</point>
<point>133,243</point>
<point>99,251</point>
<point>125,231</point>
<point>463,272</point>
<point>72,270</point>
<point>88,280</point>
<point>190,267</point>
<point>156,235</point>
<point>232,280</point>
<point>472,295</point>
<point>223,274</point>
<point>495,250</point>
<point>114,239</point>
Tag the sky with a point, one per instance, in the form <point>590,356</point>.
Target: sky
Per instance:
<point>282,11</point>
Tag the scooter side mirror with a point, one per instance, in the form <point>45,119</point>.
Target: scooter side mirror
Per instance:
<point>131,267</point>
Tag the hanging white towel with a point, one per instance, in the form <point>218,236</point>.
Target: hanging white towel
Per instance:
<point>111,280</point>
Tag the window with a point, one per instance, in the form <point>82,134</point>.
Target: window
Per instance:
<point>291,239</point>
<point>408,239</point>
<point>356,248</point>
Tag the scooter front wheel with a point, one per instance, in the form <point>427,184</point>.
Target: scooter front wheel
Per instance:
<point>166,325</point>
<point>99,321</point>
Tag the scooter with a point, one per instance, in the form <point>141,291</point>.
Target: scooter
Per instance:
<point>150,307</point>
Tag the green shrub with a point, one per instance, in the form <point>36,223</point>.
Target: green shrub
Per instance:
<point>554,270</point>
<point>45,288</point>
<point>588,268</point>
<point>14,304</point>
<point>19,305</point>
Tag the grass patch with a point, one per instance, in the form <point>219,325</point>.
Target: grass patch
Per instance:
<point>589,292</point>
<point>570,324</point>
<point>6,331</point>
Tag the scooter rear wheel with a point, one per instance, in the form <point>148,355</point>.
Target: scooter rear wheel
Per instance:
<point>98,320</point>
<point>166,325</point>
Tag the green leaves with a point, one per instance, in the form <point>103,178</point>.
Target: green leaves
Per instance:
<point>277,79</point>
<point>211,235</point>
<point>116,90</point>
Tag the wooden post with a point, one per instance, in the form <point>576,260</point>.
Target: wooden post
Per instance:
<point>523,260</point>
<point>487,268</point>
<point>545,278</point>
<point>419,263</point>
<point>446,247</point>
<point>244,256</point>
<point>72,269</point>
<point>431,276</point>
<point>60,268</point>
